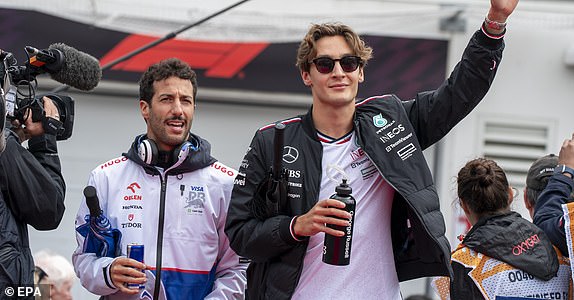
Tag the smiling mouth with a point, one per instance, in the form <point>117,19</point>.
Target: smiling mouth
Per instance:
<point>176,123</point>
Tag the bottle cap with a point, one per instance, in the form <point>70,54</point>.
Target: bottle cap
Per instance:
<point>343,188</point>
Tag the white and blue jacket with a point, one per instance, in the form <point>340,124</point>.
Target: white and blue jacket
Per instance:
<point>197,262</point>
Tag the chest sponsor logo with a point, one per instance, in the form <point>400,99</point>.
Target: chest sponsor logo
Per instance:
<point>386,126</point>
<point>295,184</point>
<point>194,201</point>
<point>407,151</point>
<point>294,173</point>
<point>132,197</point>
<point>359,163</point>
<point>392,133</point>
<point>368,172</point>
<point>290,154</point>
<point>244,164</point>
<point>133,187</point>
<point>357,154</point>
<point>131,223</point>
<point>379,121</point>
<point>127,207</point>
<point>239,179</point>
<point>113,162</point>
<point>223,169</point>
<point>390,147</point>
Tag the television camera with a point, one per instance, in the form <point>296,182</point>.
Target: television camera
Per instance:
<point>18,91</point>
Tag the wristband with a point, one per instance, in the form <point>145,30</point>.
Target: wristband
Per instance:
<point>492,35</point>
<point>494,25</point>
<point>561,169</point>
<point>292,230</point>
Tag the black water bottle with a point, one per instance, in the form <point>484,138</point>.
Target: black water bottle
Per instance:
<point>337,250</point>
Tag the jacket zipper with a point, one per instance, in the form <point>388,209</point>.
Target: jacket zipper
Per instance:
<point>158,259</point>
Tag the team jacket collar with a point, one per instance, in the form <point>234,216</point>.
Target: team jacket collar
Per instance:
<point>196,160</point>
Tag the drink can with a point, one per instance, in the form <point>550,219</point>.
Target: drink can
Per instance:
<point>136,251</point>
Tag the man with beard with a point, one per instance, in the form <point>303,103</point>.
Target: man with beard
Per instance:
<point>170,195</point>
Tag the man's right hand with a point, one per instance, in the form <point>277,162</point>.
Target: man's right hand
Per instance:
<point>325,212</point>
<point>126,270</point>
<point>566,156</point>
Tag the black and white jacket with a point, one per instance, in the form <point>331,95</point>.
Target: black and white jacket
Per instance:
<point>393,134</point>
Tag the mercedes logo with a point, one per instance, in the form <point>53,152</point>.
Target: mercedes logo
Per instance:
<point>290,154</point>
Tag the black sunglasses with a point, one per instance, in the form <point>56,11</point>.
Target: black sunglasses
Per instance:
<point>348,63</point>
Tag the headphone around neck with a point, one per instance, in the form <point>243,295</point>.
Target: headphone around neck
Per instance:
<point>149,152</point>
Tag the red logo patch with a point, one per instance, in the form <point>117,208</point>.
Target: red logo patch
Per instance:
<point>133,186</point>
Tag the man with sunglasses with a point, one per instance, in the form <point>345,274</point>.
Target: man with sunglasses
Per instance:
<point>377,144</point>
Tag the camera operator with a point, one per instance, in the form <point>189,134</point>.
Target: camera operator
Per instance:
<point>32,192</point>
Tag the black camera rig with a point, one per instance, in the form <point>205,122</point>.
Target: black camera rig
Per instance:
<point>18,92</point>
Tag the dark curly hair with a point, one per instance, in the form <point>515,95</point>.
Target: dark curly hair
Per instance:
<point>164,70</point>
<point>482,186</point>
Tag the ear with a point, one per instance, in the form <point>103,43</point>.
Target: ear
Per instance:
<point>144,108</point>
<point>510,196</point>
<point>306,76</point>
<point>526,202</point>
<point>361,75</point>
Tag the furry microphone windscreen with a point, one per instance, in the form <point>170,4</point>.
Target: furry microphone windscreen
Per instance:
<point>79,70</point>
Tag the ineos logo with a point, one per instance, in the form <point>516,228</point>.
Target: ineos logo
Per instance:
<point>290,154</point>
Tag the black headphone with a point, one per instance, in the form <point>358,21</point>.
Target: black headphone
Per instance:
<point>149,152</point>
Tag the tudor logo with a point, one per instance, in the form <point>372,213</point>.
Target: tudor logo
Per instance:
<point>130,217</point>
<point>290,154</point>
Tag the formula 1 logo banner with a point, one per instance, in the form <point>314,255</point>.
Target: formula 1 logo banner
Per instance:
<point>403,66</point>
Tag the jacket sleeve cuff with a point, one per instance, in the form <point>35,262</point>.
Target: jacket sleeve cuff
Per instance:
<point>107,273</point>
<point>489,41</point>
<point>566,180</point>
<point>292,230</point>
<point>43,143</point>
<point>285,231</point>
<point>94,273</point>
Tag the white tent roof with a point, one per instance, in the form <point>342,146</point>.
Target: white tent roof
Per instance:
<point>279,20</point>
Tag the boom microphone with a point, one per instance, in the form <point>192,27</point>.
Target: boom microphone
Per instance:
<point>92,201</point>
<point>67,65</point>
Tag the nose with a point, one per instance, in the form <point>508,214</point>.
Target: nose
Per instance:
<point>177,107</point>
<point>337,69</point>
